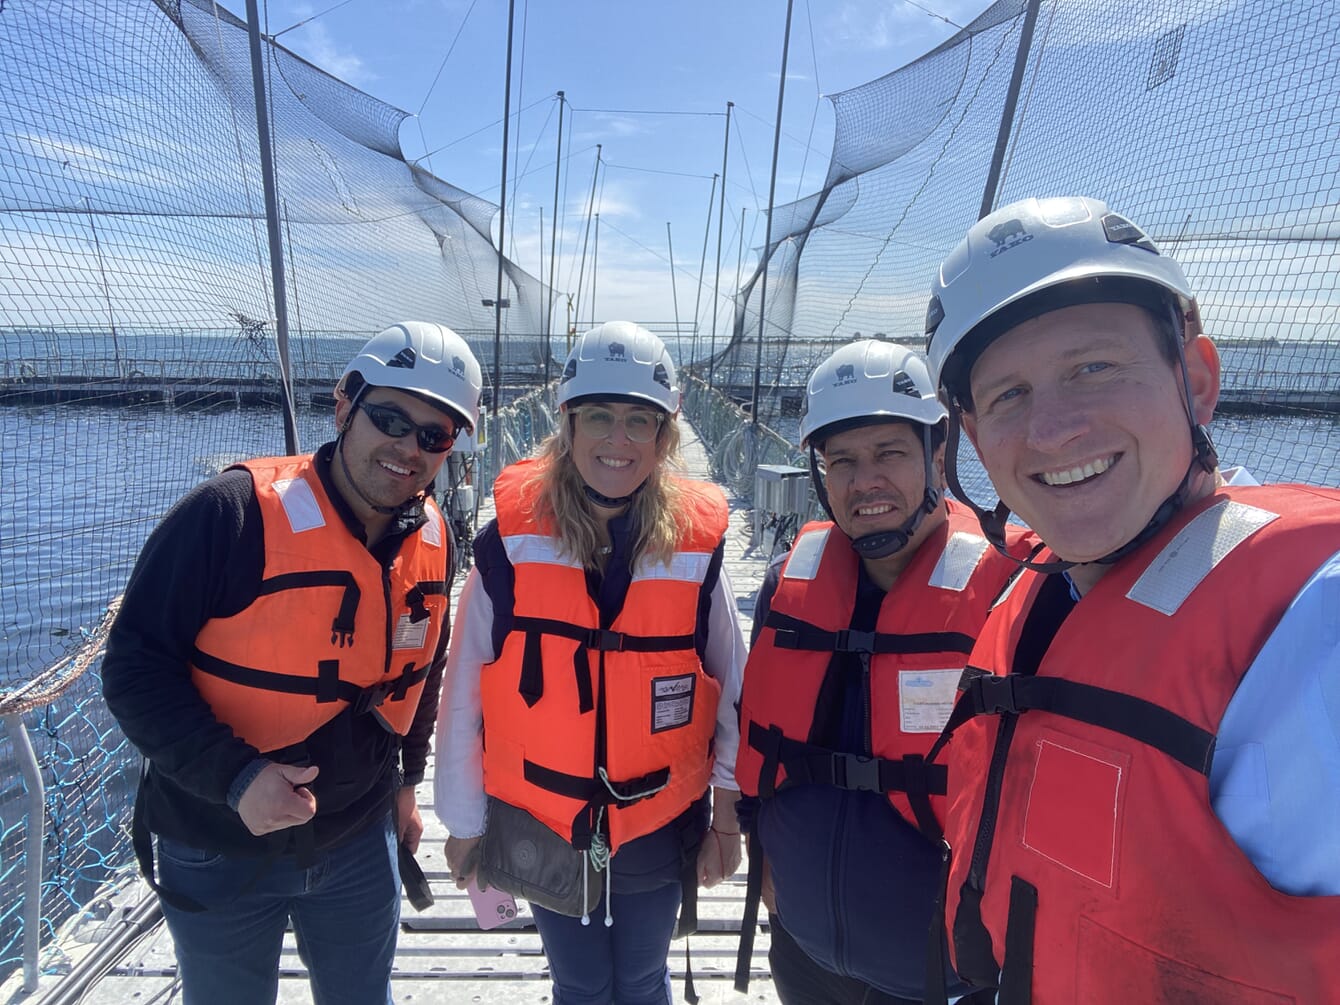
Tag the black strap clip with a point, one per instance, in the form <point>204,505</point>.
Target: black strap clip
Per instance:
<point>851,641</point>
<point>854,771</point>
<point>995,695</point>
<point>605,640</point>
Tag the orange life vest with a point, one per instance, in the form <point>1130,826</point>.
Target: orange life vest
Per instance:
<point>1087,858</point>
<point>927,625</point>
<point>330,627</point>
<point>582,722</point>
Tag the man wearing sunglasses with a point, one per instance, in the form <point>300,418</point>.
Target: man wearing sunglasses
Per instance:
<point>277,660</point>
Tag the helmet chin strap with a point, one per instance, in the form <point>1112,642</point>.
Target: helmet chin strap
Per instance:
<point>1203,455</point>
<point>883,543</point>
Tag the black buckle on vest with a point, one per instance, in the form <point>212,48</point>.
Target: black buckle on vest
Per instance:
<point>786,638</point>
<point>849,641</point>
<point>854,771</point>
<point>605,640</point>
<point>994,695</point>
<point>372,697</point>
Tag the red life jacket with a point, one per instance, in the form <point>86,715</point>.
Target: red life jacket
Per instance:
<point>330,627</point>
<point>581,721</point>
<point>927,625</point>
<point>1087,857</point>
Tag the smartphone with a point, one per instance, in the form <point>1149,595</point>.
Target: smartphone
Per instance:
<point>493,907</point>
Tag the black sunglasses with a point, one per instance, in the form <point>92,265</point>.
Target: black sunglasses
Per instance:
<point>392,422</point>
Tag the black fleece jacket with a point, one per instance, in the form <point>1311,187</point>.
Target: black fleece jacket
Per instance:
<point>206,560</point>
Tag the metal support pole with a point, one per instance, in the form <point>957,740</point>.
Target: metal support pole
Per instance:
<point>595,261</point>
<point>32,857</point>
<point>498,300</point>
<point>553,239</point>
<point>702,264</point>
<point>716,280</point>
<point>272,226</point>
<point>1007,113</point>
<point>586,237</point>
<point>674,290</point>
<point>767,238</point>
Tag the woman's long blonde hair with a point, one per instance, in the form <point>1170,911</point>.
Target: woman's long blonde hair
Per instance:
<point>562,507</point>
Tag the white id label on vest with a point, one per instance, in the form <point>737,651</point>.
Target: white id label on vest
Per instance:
<point>925,699</point>
<point>672,701</point>
<point>410,634</point>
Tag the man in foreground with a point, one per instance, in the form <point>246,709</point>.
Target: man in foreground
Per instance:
<point>1143,806</point>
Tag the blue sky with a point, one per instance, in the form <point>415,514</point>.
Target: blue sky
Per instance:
<point>612,58</point>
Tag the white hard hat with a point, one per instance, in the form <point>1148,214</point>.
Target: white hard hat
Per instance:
<point>619,359</point>
<point>426,358</point>
<point>868,380</point>
<point>1074,247</point>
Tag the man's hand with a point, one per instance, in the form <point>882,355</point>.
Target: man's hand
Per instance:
<point>463,859</point>
<point>277,798</point>
<point>410,824</point>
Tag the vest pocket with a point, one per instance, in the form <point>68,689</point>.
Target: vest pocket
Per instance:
<point>1074,806</point>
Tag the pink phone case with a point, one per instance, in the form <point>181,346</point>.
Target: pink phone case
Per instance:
<point>493,907</point>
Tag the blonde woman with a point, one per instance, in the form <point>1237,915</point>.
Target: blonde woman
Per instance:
<point>593,679</point>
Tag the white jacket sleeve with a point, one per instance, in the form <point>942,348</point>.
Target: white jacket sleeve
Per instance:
<point>458,776</point>
<point>724,662</point>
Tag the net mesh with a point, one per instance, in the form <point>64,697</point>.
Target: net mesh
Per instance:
<point>1215,124</point>
<point>138,323</point>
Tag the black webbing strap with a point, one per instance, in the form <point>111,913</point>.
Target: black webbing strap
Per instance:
<point>531,684</point>
<point>937,992</point>
<point>769,743</point>
<point>594,791</point>
<point>753,895</point>
<point>581,666</point>
<point>793,633</point>
<point>690,992</point>
<point>415,597</point>
<point>326,686</point>
<point>602,639</point>
<point>807,764</point>
<point>342,628</point>
<point>1141,720</point>
<point>1016,975</point>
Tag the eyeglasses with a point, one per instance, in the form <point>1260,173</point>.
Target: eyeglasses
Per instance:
<point>396,424</point>
<point>640,426</point>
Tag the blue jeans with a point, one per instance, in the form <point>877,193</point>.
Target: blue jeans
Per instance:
<point>345,910</point>
<point>625,962</point>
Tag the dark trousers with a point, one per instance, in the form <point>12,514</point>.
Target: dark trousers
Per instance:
<point>624,962</point>
<point>801,981</point>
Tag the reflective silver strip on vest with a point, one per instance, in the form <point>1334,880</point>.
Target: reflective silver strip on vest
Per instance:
<point>300,505</point>
<point>806,554</point>
<point>431,531</point>
<point>684,566</point>
<point>958,561</point>
<point>1192,555</point>
<point>537,548</point>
